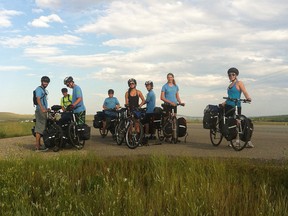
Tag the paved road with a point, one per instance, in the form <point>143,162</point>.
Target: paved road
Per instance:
<point>271,142</point>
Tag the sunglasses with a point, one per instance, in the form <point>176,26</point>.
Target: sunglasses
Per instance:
<point>131,83</point>
<point>231,74</point>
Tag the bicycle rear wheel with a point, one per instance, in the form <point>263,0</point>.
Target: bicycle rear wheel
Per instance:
<point>160,134</point>
<point>103,133</point>
<point>74,137</point>
<point>238,144</point>
<point>134,136</point>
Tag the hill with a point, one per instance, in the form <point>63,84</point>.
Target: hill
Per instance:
<point>278,118</point>
<point>7,116</point>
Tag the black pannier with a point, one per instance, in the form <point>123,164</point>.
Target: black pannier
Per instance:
<point>211,113</point>
<point>248,129</point>
<point>157,117</point>
<point>83,131</point>
<point>97,122</point>
<point>229,129</point>
<point>182,127</point>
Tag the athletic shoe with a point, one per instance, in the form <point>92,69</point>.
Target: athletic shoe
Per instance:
<point>249,145</point>
<point>42,148</point>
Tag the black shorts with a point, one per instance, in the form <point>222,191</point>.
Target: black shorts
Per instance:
<point>168,108</point>
<point>230,110</point>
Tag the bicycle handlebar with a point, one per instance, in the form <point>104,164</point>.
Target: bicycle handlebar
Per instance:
<point>167,104</point>
<point>236,100</point>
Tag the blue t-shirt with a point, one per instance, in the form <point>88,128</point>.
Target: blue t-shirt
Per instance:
<point>170,92</point>
<point>77,93</point>
<point>40,92</point>
<point>234,93</point>
<point>111,103</point>
<point>150,101</point>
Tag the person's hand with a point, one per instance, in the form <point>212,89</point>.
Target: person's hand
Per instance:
<point>44,110</point>
<point>173,104</point>
<point>249,100</point>
<point>182,104</point>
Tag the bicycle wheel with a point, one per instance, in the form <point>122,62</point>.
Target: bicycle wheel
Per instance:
<point>238,144</point>
<point>134,137</point>
<point>174,130</point>
<point>120,132</point>
<point>216,136</point>
<point>74,137</point>
<point>160,134</point>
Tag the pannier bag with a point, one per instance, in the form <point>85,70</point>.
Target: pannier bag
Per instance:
<point>50,136</point>
<point>97,122</point>
<point>157,117</point>
<point>229,129</point>
<point>83,131</point>
<point>248,129</point>
<point>182,127</point>
<point>211,113</point>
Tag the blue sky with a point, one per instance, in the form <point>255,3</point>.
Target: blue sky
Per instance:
<point>104,43</point>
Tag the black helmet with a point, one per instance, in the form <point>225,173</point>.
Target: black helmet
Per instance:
<point>132,80</point>
<point>63,90</point>
<point>233,70</point>
<point>45,79</point>
<point>149,82</point>
<point>110,91</point>
<point>68,80</point>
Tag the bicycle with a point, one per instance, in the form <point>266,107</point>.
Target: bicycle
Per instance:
<point>52,135</point>
<point>168,124</point>
<point>109,127</point>
<point>130,128</point>
<point>232,128</point>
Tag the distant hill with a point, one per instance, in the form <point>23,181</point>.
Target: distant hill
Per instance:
<point>7,116</point>
<point>278,118</point>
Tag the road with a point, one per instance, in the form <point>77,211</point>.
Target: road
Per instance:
<point>271,142</point>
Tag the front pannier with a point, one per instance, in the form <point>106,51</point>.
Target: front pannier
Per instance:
<point>211,113</point>
<point>97,122</point>
<point>229,130</point>
<point>83,131</point>
<point>182,127</point>
<point>157,117</point>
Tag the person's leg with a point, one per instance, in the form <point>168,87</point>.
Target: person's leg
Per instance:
<point>41,119</point>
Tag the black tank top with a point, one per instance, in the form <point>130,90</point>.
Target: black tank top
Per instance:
<point>133,101</point>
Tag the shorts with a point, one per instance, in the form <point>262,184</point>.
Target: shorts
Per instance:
<point>80,117</point>
<point>230,110</point>
<point>41,120</point>
<point>168,108</point>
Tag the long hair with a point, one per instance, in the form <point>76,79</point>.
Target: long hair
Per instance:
<point>171,74</point>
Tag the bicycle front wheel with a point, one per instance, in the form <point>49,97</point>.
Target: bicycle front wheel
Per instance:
<point>238,144</point>
<point>174,130</point>
<point>216,136</point>
<point>103,133</point>
<point>134,134</point>
<point>120,132</point>
<point>160,134</point>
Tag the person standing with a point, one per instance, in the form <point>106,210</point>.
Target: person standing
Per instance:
<point>77,100</point>
<point>234,90</point>
<point>66,100</point>
<point>109,104</point>
<point>41,112</point>
<point>150,105</point>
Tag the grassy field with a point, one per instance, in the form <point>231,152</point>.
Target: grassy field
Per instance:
<point>73,185</point>
<point>15,129</point>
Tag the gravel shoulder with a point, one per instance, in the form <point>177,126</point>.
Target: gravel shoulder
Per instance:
<point>271,142</point>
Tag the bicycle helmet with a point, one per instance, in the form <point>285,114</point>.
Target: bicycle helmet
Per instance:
<point>110,91</point>
<point>132,80</point>
<point>68,80</point>
<point>63,90</point>
<point>233,70</point>
<point>149,82</point>
<point>45,79</point>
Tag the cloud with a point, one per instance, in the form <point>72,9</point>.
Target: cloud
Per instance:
<point>12,68</point>
<point>40,40</point>
<point>42,51</point>
<point>43,21</point>
<point>6,16</point>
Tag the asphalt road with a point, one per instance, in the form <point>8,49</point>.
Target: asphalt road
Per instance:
<point>271,142</point>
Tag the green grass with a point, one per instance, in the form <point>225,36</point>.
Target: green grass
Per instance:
<point>15,129</point>
<point>73,185</point>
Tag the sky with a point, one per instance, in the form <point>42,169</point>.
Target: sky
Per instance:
<point>103,43</point>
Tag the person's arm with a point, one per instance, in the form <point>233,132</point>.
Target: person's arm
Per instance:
<point>142,98</point>
<point>178,98</point>
<point>78,100</point>
<point>42,108</point>
<point>126,99</point>
<point>117,104</point>
<point>104,105</point>
<point>62,104</point>
<point>243,89</point>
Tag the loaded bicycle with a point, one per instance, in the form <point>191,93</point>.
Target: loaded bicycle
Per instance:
<point>130,128</point>
<point>168,127</point>
<point>237,129</point>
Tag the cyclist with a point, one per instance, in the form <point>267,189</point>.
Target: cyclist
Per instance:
<point>170,96</point>
<point>132,98</point>
<point>234,90</point>
<point>66,100</point>
<point>110,102</point>
<point>77,100</point>
<point>150,105</point>
<point>41,112</point>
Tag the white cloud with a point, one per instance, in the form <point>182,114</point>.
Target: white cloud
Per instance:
<point>43,21</point>
<point>42,51</point>
<point>6,16</point>
<point>12,68</point>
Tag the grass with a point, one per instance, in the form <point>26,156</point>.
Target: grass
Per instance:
<point>73,185</point>
<point>15,129</point>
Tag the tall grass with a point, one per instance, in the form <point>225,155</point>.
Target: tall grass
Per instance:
<point>71,185</point>
<point>15,129</point>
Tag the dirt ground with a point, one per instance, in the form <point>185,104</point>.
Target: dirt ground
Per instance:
<point>271,142</point>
